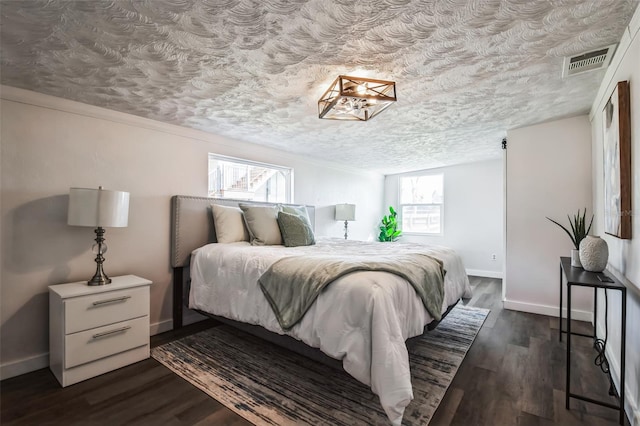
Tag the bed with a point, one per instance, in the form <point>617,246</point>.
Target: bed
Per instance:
<point>361,321</point>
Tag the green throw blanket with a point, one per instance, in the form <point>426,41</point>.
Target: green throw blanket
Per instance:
<point>292,284</point>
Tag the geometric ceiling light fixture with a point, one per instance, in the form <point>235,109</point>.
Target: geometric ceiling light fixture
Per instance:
<point>356,98</point>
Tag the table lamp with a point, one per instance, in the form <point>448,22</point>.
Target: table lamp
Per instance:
<point>345,212</point>
<point>98,208</point>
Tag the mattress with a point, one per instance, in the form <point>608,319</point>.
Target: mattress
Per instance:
<point>362,319</point>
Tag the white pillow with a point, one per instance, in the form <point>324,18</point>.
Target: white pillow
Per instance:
<point>262,222</point>
<point>229,224</point>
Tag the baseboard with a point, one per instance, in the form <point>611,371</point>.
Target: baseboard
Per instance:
<point>630,407</point>
<point>189,317</point>
<point>487,274</point>
<point>551,311</point>
<point>23,366</point>
<point>160,327</point>
<point>36,362</point>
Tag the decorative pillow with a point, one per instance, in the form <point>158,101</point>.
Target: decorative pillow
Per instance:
<point>296,230</point>
<point>262,222</point>
<point>298,210</point>
<point>229,224</point>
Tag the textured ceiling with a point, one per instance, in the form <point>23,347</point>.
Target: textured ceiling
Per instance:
<point>466,71</point>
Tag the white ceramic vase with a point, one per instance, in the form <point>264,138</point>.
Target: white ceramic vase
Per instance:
<point>575,259</point>
<point>594,254</point>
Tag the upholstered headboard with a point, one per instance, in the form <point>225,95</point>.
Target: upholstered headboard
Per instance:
<point>192,224</point>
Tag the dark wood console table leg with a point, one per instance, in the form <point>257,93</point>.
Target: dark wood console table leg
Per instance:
<point>568,391</point>
<point>560,321</point>
<point>595,312</point>
<point>623,352</point>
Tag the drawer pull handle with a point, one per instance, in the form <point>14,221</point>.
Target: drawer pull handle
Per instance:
<point>107,333</point>
<point>116,299</point>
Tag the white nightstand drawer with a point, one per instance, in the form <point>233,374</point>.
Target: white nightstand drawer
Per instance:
<point>84,313</point>
<point>97,343</point>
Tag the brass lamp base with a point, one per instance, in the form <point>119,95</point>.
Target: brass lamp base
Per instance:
<point>99,278</point>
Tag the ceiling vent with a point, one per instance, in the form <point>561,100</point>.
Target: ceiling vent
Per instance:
<point>588,61</point>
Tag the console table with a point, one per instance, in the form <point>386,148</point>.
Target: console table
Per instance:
<point>582,278</point>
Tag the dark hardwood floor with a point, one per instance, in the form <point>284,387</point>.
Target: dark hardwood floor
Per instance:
<point>514,374</point>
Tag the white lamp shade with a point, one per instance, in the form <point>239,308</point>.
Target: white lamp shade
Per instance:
<point>345,212</point>
<point>98,208</point>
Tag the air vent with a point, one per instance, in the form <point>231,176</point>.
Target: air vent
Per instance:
<point>588,61</point>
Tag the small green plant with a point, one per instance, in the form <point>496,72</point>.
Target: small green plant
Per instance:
<point>578,230</point>
<point>389,229</point>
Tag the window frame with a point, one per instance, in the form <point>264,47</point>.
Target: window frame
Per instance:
<point>288,173</point>
<point>402,205</point>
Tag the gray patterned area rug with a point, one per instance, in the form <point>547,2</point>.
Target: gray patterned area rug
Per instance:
<point>269,385</point>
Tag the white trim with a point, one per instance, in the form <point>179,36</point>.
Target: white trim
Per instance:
<point>188,317</point>
<point>27,365</point>
<point>23,366</point>
<point>245,162</point>
<point>505,253</point>
<point>551,311</point>
<point>481,273</point>
<point>28,97</point>
<point>36,362</point>
<point>630,32</point>
<point>630,406</point>
<point>160,327</point>
<point>634,24</point>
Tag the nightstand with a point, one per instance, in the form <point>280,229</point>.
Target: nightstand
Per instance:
<point>96,329</point>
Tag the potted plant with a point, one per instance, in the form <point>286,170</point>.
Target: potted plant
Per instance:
<point>389,229</point>
<point>578,233</point>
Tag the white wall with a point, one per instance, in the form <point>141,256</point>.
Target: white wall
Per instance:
<point>548,174</point>
<point>473,214</point>
<point>624,255</point>
<point>50,144</point>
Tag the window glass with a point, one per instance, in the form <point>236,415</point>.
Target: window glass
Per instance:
<point>248,180</point>
<point>421,203</point>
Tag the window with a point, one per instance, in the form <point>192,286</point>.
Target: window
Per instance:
<point>248,180</point>
<point>421,201</point>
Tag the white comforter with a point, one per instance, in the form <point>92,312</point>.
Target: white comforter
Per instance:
<point>362,318</point>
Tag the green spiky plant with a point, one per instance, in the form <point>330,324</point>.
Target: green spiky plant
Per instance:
<point>389,229</point>
<point>578,229</point>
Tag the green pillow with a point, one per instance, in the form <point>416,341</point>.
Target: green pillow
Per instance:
<point>297,210</point>
<point>296,230</point>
